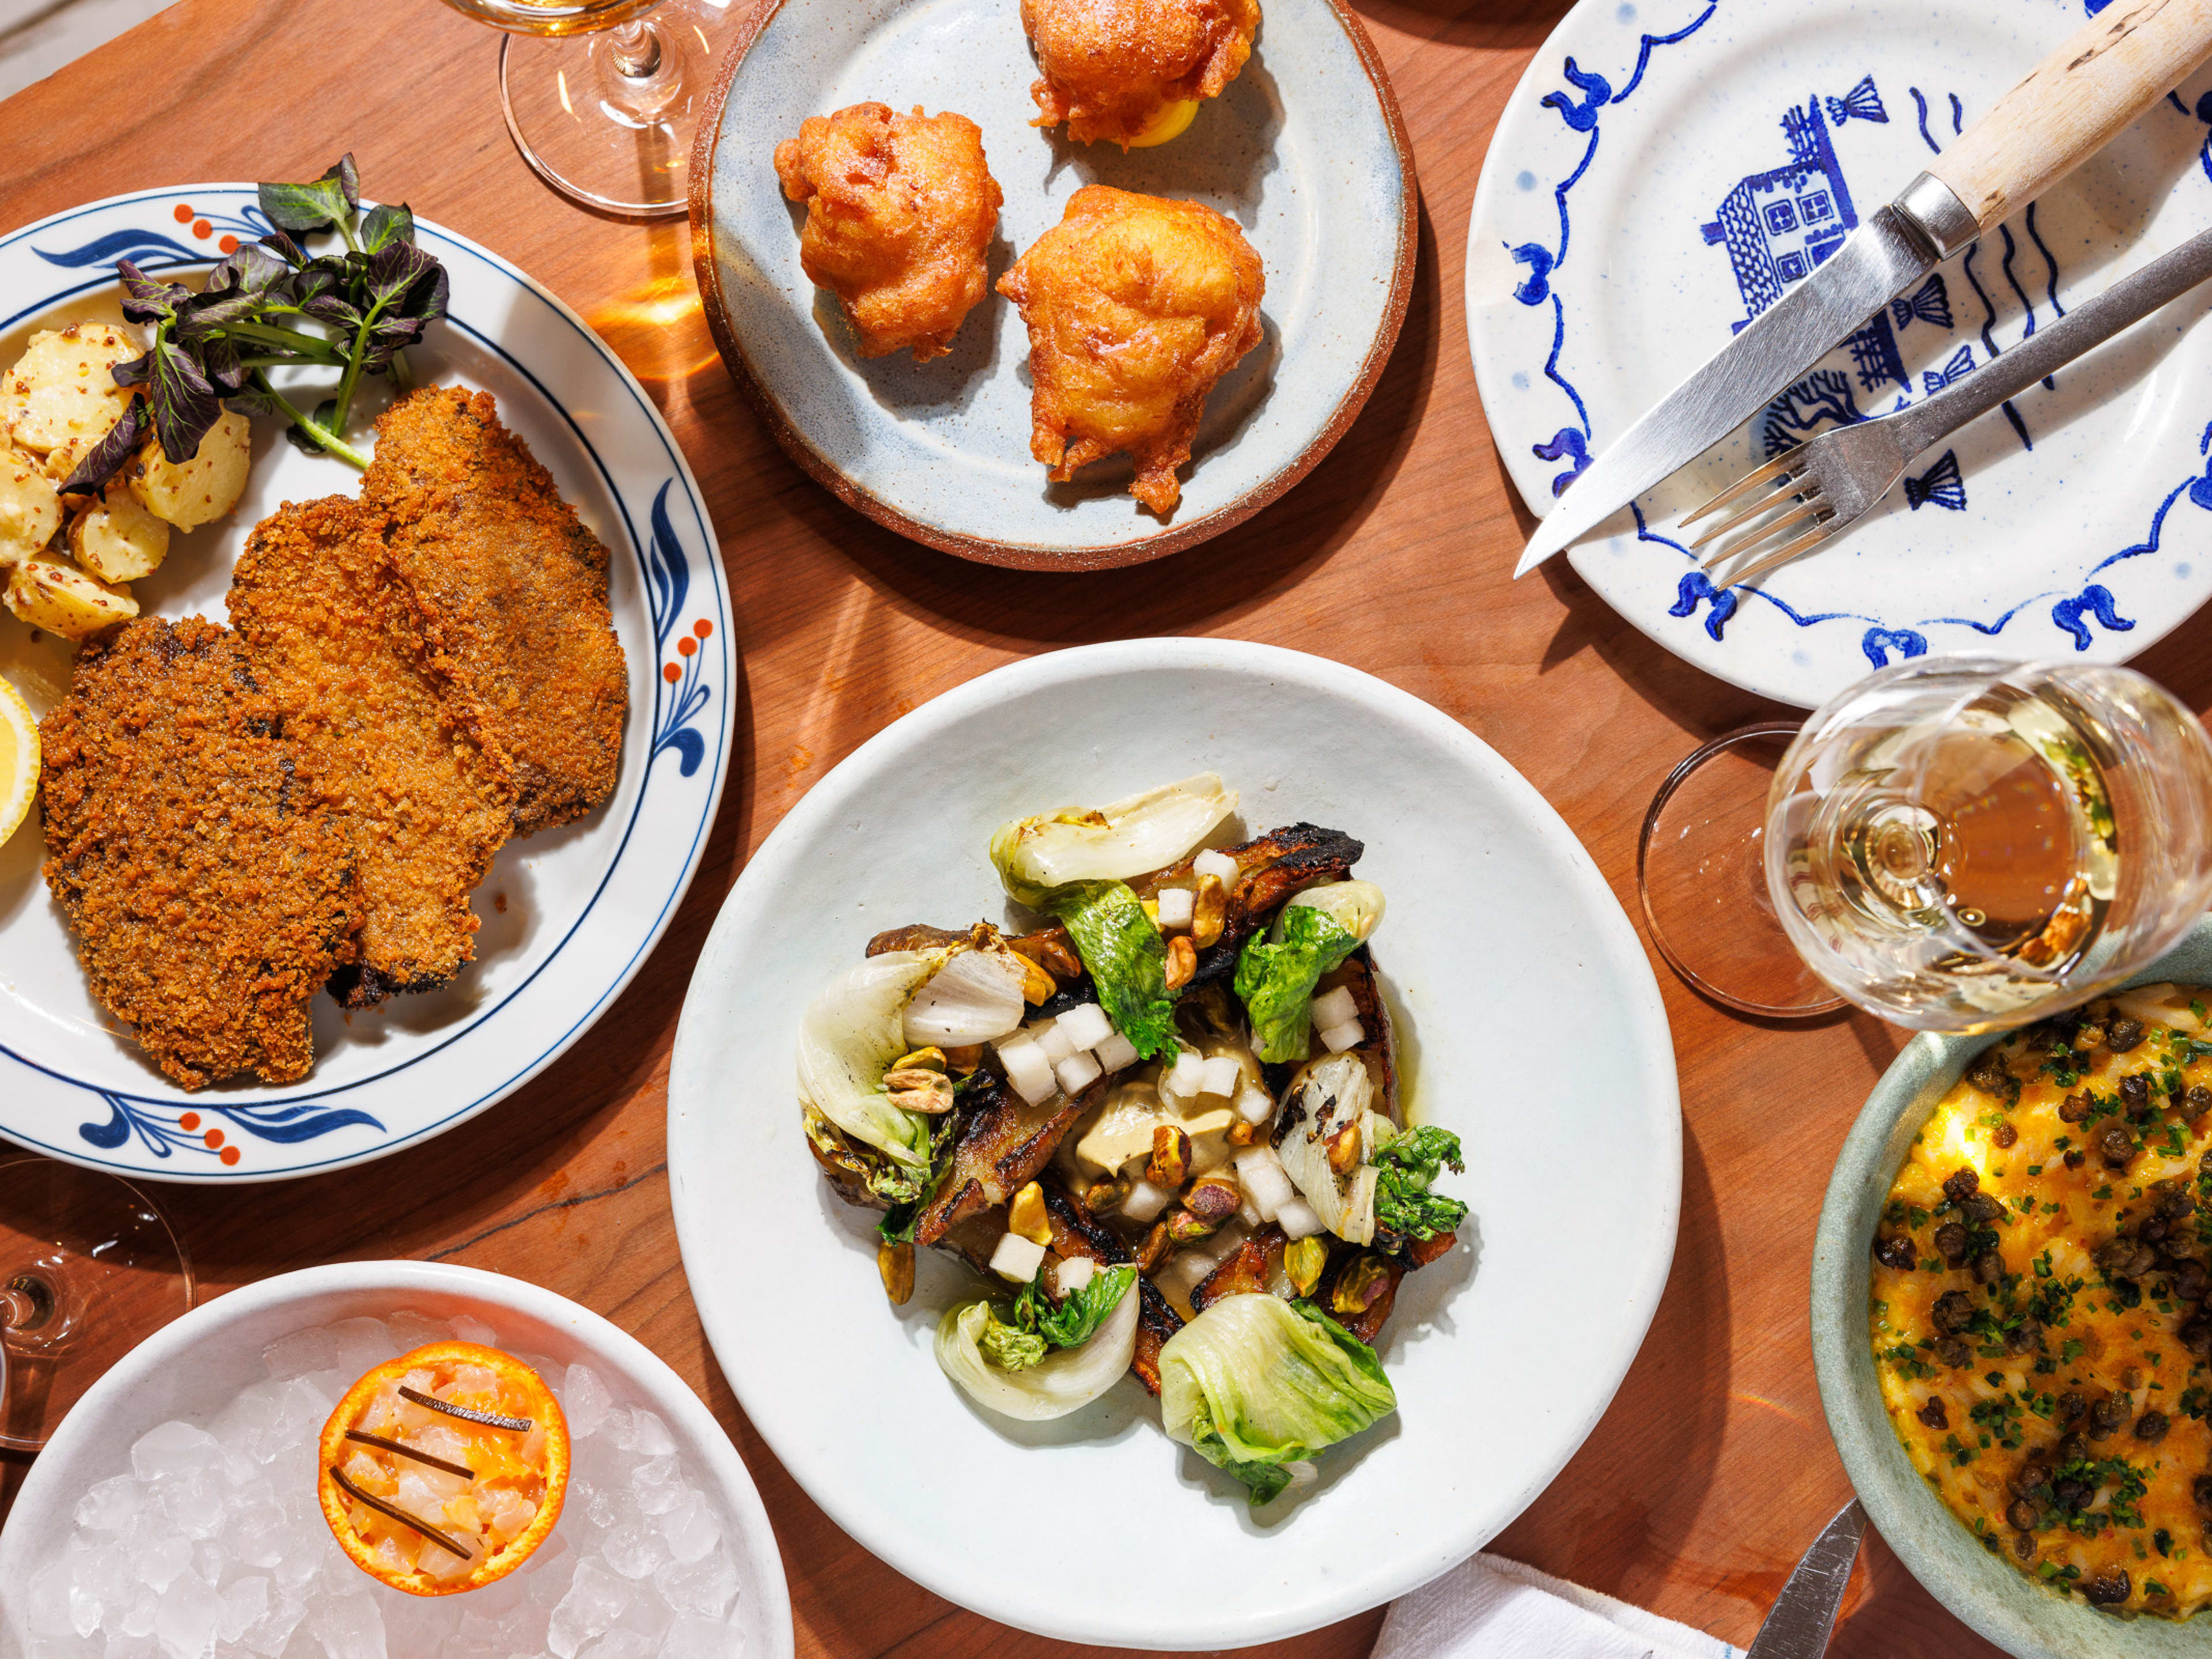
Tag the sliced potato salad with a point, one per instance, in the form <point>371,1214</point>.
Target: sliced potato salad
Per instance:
<point>68,557</point>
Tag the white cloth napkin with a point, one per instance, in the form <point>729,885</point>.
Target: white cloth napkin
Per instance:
<point>1488,1607</point>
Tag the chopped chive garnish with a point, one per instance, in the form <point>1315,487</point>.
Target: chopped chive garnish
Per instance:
<point>394,1512</point>
<point>405,1450</point>
<point>467,1414</point>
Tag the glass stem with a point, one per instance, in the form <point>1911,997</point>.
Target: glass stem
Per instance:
<point>647,76</point>
<point>26,1303</point>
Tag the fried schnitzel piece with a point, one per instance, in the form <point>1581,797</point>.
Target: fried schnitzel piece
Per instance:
<point>511,585</point>
<point>1136,307</point>
<point>399,740</point>
<point>211,890</point>
<point>1133,72</point>
<point>900,210</point>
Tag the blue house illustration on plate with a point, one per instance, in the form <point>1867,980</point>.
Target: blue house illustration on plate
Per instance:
<point>1779,225</point>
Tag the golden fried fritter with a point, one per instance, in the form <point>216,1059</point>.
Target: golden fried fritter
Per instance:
<point>399,740</point>
<point>1123,70</point>
<point>211,890</point>
<point>1136,307</point>
<point>901,208</point>
<point>511,585</point>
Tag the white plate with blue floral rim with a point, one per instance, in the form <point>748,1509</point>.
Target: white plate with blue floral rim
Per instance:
<point>1498,923</point>
<point>569,915</point>
<point>1667,168</point>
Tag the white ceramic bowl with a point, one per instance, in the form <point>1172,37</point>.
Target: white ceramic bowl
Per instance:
<point>192,1368</point>
<point>1528,1024</point>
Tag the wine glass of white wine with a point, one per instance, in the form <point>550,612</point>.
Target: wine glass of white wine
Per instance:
<point>1954,843</point>
<point>603,97</point>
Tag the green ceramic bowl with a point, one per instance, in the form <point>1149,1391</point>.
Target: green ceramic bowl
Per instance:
<point>1985,1590</point>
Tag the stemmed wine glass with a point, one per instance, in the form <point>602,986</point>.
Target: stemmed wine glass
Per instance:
<point>89,1268</point>
<point>1954,843</point>
<point>603,97</point>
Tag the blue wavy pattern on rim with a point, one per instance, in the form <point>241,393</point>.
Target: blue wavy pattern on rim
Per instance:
<point>154,247</point>
<point>159,1128</point>
<point>158,1125</point>
<point>1583,111</point>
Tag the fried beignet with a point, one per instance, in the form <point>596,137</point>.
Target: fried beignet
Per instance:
<point>1132,72</point>
<point>901,209</point>
<point>1136,307</point>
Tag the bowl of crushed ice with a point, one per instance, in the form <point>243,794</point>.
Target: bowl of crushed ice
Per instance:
<point>173,1515</point>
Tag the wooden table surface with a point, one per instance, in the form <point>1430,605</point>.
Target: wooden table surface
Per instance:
<point>1713,1469</point>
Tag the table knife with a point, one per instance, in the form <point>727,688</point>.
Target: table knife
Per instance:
<point>2116,65</point>
<point>1803,1616</point>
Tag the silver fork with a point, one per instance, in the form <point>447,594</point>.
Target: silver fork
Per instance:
<point>1835,478</point>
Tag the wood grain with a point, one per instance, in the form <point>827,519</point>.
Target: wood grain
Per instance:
<point>1713,1470</point>
<point>2075,102</point>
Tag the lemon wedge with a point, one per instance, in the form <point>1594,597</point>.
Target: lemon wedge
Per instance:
<point>19,760</point>
<point>1173,120</point>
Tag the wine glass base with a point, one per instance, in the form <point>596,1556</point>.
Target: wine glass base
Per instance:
<point>1700,873</point>
<point>571,116</point>
<point>89,1268</point>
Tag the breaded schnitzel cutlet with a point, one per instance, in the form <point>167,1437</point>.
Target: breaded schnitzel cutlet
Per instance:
<point>211,891</point>
<point>398,739</point>
<point>511,586</point>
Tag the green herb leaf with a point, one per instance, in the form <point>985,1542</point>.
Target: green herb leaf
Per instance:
<point>185,404</point>
<point>386,223</point>
<point>1010,1348</point>
<point>303,207</point>
<point>1127,957</point>
<point>1406,1168</point>
<point>146,300</point>
<point>1276,981</point>
<point>1072,1323</point>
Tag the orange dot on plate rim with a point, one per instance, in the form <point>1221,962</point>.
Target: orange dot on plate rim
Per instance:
<point>228,243</point>
<point>229,1154</point>
<point>190,1122</point>
<point>213,1139</point>
<point>672,673</point>
<point>184,213</point>
<point>201,228</point>
<point>702,628</point>
<point>685,644</point>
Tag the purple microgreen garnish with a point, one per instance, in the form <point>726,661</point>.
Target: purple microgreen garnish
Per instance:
<point>106,458</point>
<point>394,1512</point>
<point>400,1448</point>
<point>467,1413</point>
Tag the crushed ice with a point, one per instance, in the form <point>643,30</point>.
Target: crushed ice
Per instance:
<point>212,1546</point>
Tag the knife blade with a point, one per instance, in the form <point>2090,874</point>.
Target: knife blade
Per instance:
<point>2070,104</point>
<point>1803,1617</point>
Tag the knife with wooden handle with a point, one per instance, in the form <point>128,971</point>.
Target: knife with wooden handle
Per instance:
<point>2073,103</point>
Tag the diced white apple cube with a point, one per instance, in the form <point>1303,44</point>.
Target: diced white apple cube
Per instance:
<point>1075,1273</point>
<point>1183,1077</point>
<point>1016,1258</point>
<point>1349,1035</point>
<point>1174,905</point>
<point>1297,1220</point>
<point>1254,1104</point>
<point>1146,1201</point>
<point>1265,1182</point>
<point>1076,1072</point>
<point>1117,1053</point>
<point>1027,1069</point>
<point>1054,1042</point>
<point>1221,1076</point>
<point>1211,863</point>
<point>1086,1026</point>
<point>1335,1008</point>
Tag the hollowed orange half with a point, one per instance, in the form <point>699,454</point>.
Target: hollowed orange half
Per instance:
<point>435,1497</point>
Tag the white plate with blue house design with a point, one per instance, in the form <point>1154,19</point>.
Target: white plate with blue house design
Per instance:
<point>1667,168</point>
<point>569,915</point>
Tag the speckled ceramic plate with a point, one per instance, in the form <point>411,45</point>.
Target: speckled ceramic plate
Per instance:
<point>1668,168</point>
<point>1985,1590</point>
<point>1305,151</point>
<point>569,916</point>
<point>1498,923</point>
